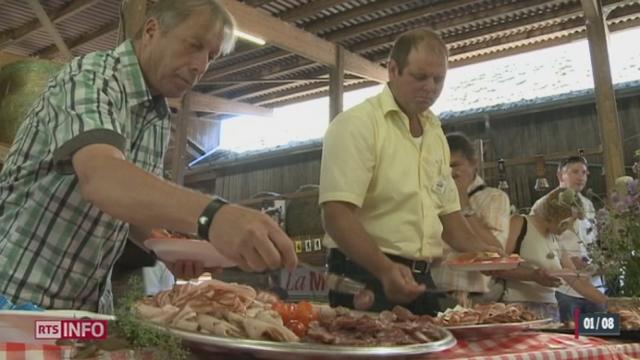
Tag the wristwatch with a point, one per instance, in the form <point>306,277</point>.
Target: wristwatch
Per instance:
<point>209,212</point>
<point>467,211</point>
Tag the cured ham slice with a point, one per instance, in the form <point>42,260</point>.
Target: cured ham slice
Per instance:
<point>262,330</point>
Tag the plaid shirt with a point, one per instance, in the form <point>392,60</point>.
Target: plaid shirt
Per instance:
<point>56,249</point>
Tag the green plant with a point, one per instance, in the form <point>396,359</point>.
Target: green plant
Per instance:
<point>617,253</point>
<point>128,332</point>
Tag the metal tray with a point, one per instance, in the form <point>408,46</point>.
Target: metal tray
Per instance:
<point>491,330</point>
<point>302,350</point>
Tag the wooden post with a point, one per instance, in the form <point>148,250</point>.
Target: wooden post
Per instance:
<point>132,15</point>
<point>178,163</point>
<point>336,84</point>
<point>606,107</point>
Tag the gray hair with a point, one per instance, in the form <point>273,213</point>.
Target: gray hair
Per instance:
<point>171,13</point>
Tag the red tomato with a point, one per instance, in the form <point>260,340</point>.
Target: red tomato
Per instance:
<point>304,313</point>
<point>297,327</point>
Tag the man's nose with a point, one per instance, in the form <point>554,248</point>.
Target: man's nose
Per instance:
<point>199,63</point>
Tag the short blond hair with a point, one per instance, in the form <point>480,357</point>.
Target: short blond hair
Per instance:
<point>556,207</point>
<point>412,39</point>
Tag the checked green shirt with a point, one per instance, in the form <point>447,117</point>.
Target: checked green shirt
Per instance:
<point>56,249</point>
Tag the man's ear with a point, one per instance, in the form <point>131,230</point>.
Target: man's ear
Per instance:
<point>151,28</point>
<point>392,67</point>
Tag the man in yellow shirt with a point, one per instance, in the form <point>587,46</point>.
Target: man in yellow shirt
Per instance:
<point>386,190</point>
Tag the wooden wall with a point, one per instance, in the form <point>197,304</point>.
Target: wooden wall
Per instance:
<point>513,136</point>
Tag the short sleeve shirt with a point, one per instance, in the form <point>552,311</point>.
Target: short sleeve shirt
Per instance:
<point>401,186</point>
<point>57,249</point>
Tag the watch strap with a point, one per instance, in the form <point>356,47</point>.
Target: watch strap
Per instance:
<point>206,217</point>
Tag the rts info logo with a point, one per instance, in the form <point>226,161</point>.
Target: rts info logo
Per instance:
<point>82,329</point>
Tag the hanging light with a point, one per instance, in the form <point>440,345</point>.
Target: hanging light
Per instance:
<point>542,184</point>
<point>502,176</point>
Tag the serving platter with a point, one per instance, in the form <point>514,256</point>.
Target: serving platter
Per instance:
<point>484,265</point>
<point>304,350</point>
<point>495,329</point>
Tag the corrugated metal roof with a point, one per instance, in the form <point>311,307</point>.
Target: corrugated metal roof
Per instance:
<point>474,29</point>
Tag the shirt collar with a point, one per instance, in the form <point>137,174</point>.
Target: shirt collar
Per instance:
<point>476,182</point>
<point>132,77</point>
<point>390,105</point>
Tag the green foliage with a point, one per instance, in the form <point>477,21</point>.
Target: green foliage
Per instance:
<point>617,254</point>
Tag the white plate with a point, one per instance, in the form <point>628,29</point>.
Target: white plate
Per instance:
<point>491,330</point>
<point>487,265</point>
<point>301,350</point>
<point>172,250</point>
<point>19,325</point>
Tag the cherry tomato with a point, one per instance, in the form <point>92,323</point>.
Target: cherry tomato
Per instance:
<point>304,313</point>
<point>297,327</point>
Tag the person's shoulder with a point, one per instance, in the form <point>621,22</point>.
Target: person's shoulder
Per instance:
<point>103,63</point>
<point>360,114</point>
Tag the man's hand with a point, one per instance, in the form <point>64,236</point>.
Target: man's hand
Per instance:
<point>543,278</point>
<point>187,270</point>
<point>251,239</point>
<point>399,285</point>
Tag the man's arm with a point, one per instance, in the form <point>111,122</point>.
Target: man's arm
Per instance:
<point>341,223</point>
<point>458,234</point>
<point>126,192</point>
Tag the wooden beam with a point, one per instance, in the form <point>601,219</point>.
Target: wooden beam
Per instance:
<point>133,13</point>
<point>278,71</point>
<point>606,107</point>
<point>291,38</point>
<point>336,86</point>
<point>51,29</point>
<point>10,36</point>
<point>52,51</point>
<point>205,103</point>
<point>178,162</point>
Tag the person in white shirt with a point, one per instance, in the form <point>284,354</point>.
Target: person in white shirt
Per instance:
<point>487,211</point>
<point>573,173</point>
<point>537,243</point>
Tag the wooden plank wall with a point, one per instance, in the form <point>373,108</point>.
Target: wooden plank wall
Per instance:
<point>510,137</point>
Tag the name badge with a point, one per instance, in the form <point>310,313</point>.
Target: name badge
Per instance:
<point>440,186</point>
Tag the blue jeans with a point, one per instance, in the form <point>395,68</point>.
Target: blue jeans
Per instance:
<point>567,304</point>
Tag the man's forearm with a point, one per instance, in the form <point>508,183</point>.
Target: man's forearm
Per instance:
<point>133,195</point>
<point>458,233</point>
<point>345,229</point>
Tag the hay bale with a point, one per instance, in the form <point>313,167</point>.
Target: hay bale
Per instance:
<point>21,83</point>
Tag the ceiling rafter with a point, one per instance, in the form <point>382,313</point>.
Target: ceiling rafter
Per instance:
<point>623,17</point>
<point>291,38</point>
<point>10,36</point>
<point>52,51</point>
<point>309,9</point>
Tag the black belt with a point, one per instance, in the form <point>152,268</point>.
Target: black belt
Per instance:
<point>416,266</point>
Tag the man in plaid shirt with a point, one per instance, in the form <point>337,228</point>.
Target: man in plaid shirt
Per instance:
<point>85,167</point>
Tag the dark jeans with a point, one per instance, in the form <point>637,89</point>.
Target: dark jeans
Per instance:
<point>567,304</point>
<point>338,264</point>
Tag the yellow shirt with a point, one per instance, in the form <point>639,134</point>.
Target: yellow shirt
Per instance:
<point>369,159</point>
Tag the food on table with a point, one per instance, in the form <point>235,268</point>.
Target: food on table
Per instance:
<point>493,313</point>
<point>340,326</point>
<point>232,310</point>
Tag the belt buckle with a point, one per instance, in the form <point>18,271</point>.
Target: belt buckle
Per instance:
<point>419,267</point>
